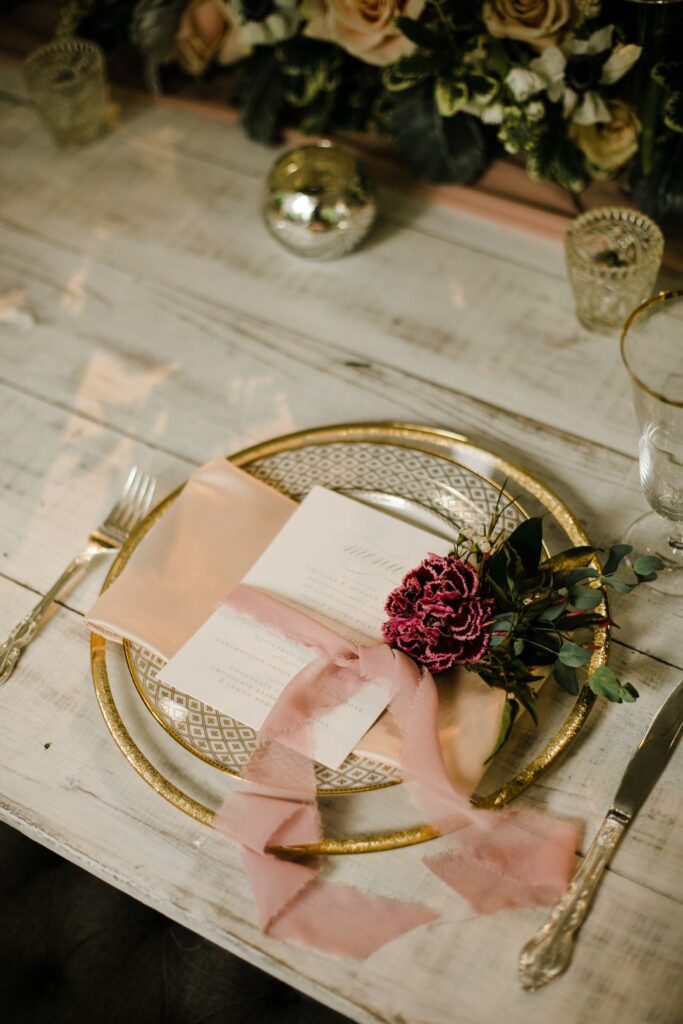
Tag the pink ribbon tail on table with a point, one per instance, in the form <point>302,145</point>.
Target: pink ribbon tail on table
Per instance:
<point>496,860</point>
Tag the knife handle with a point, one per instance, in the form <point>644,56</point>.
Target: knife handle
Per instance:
<point>549,951</point>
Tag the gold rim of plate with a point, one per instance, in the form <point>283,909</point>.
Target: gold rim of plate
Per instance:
<point>405,435</point>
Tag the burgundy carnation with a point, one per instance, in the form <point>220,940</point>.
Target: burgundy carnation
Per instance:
<point>437,616</point>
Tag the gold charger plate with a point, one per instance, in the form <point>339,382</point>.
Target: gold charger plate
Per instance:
<point>323,456</point>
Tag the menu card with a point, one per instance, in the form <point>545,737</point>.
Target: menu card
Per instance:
<point>336,559</point>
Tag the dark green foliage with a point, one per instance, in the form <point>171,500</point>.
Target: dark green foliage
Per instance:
<point>527,542</point>
<point>430,39</point>
<point>660,193</point>
<point>108,23</point>
<point>669,75</point>
<point>260,91</point>
<point>447,103</point>
<point>441,150</point>
<point>543,608</point>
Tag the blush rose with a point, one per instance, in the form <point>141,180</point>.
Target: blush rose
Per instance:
<point>538,22</point>
<point>209,30</point>
<point>364,28</point>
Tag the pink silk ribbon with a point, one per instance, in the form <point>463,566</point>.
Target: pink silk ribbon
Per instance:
<point>496,859</point>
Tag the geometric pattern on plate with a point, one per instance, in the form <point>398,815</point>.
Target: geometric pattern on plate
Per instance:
<point>410,482</point>
<point>229,743</point>
<point>451,491</point>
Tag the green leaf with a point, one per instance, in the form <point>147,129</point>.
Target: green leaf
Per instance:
<point>501,594</point>
<point>584,597</point>
<point>586,573</point>
<point>673,112</point>
<point>616,555</point>
<point>436,149</point>
<point>537,593</point>
<point>503,627</point>
<point>647,564</point>
<point>483,87</point>
<point>604,683</point>
<point>552,612</point>
<point>668,74</point>
<point>311,72</point>
<point>617,585</point>
<point>542,645</point>
<point>567,164</point>
<point>497,567</point>
<point>629,694</point>
<point>587,620</point>
<point>503,624</point>
<point>562,564</point>
<point>527,700</point>
<point>451,95</point>
<point>406,73</point>
<point>419,33</point>
<point>264,101</point>
<point>566,677</point>
<point>527,541</point>
<point>507,720</point>
<point>573,654</point>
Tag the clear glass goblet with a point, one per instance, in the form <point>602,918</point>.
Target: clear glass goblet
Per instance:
<point>652,351</point>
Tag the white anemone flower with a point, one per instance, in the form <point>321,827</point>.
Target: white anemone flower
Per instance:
<point>571,72</point>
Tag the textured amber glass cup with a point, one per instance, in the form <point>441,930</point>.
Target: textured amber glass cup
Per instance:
<point>613,258</point>
<point>67,83</point>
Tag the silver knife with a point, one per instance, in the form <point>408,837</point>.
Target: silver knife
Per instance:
<point>549,952</point>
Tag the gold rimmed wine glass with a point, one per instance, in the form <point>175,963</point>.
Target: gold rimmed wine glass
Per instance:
<point>652,351</point>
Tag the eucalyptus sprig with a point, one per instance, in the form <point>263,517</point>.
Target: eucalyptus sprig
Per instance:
<point>542,607</point>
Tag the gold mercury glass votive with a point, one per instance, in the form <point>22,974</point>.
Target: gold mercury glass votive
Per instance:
<point>613,258</point>
<point>66,82</point>
<point>318,201</point>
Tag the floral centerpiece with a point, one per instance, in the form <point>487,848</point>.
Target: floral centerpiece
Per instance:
<point>577,89</point>
<point>498,607</point>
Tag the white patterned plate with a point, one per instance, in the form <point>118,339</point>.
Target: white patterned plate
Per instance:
<point>415,485</point>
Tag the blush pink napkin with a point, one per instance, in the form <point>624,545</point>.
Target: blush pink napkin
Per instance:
<point>211,535</point>
<point>201,548</point>
<point>496,860</point>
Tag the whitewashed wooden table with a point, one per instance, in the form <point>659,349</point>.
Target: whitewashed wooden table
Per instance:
<point>170,328</point>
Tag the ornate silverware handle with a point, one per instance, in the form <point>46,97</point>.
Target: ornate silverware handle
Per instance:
<point>549,952</point>
<point>24,632</point>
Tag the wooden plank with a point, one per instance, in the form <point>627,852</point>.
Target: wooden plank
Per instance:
<point>507,336</point>
<point>195,379</point>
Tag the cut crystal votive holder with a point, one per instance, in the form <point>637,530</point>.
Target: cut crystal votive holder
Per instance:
<point>67,83</point>
<point>613,258</point>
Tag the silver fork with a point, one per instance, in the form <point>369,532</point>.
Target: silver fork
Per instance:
<point>128,511</point>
